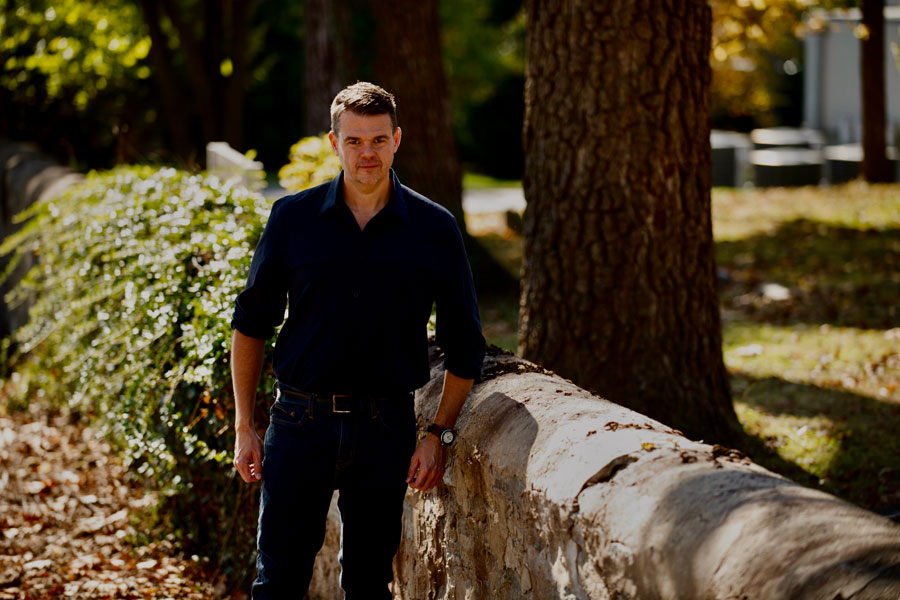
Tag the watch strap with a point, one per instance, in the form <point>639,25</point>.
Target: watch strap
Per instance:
<point>438,431</point>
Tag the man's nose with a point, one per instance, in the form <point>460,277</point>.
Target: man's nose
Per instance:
<point>368,149</point>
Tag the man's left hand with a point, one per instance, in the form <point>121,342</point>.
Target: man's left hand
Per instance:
<point>426,469</point>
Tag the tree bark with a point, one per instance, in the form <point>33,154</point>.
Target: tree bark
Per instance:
<point>236,86</point>
<point>321,78</point>
<point>410,66</point>
<point>875,166</point>
<point>619,288</point>
<point>217,100</point>
<point>173,101</point>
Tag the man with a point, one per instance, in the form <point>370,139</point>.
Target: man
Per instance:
<point>360,261</point>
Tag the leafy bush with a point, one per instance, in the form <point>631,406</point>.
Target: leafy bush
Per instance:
<point>134,289</point>
<point>312,162</point>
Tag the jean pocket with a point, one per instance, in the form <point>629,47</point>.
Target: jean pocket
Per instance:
<point>288,414</point>
<point>398,423</point>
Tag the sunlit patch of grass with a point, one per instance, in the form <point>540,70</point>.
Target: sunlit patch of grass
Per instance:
<point>810,443</point>
<point>862,361</point>
<point>479,180</point>
<point>739,214</point>
<point>844,442</point>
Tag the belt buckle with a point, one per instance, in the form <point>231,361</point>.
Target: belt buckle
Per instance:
<point>334,407</point>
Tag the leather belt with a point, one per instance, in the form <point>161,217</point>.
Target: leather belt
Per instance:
<point>339,404</point>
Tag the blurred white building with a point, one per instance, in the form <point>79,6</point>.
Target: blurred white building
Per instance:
<point>832,88</point>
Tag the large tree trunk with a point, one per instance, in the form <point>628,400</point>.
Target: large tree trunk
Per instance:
<point>619,289</point>
<point>875,167</point>
<point>410,66</point>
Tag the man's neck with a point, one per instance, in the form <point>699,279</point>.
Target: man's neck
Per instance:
<point>367,201</point>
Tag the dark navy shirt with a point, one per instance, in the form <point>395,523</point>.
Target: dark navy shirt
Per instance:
<point>359,301</point>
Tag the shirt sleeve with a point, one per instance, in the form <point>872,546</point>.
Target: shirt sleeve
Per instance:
<point>458,327</point>
<point>259,309</point>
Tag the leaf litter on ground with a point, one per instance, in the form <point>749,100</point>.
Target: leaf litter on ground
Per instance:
<point>69,520</point>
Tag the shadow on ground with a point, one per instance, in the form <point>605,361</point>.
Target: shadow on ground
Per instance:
<point>837,275</point>
<point>857,433</point>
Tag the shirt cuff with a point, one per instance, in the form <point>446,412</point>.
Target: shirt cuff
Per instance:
<point>250,329</point>
<point>464,369</point>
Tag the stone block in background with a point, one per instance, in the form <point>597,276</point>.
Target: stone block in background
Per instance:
<point>225,162</point>
<point>844,161</point>
<point>793,137</point>
<point>787,167</point>
<point>730,154</point>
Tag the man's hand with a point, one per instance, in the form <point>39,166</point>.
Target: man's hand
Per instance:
<point>426,469</point>
<point>248,454</point>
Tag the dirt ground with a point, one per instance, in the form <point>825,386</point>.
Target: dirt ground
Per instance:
<point>68,517</point>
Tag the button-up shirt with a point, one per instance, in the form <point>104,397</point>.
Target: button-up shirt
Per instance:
<point>359,301</point>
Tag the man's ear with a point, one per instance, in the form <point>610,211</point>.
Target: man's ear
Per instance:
<point>398,133</point>
<point>333,138</point>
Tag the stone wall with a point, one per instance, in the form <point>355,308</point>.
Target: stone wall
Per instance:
<point>26,176</point>
<point>554,493</point>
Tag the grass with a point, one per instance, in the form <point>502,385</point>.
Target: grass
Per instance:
<point>477,180</point>
<point>809,283</point>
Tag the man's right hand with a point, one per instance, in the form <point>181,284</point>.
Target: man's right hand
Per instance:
<point>248,454</point>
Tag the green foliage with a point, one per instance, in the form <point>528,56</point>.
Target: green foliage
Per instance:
<point>483,45</point>
<point>70,49</point>
<point>134,289</point>
<point>312,162</point>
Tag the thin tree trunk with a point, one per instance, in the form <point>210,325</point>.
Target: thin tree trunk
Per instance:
<point>619,289</point>
<point>236,86</point>
<point>201,83</point>
<point>321,77</point>
<point>173,100</point>
<point>875,167</point>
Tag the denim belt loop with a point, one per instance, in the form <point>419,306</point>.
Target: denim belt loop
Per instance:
<point>373,406</point>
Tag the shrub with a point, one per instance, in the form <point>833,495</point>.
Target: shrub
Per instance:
<point>137,271</point>
<point>312,162</point>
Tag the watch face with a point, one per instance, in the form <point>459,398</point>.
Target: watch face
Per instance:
<point>447,437</point>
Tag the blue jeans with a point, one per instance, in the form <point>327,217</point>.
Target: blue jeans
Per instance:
<point>307,456</point>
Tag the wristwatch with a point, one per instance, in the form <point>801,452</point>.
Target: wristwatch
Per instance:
<point>446,435</point>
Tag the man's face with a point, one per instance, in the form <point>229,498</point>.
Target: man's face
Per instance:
<point>366,146</point>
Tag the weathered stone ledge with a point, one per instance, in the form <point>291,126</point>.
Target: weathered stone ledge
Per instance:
<point>554,493</point>
<point>26,176</point>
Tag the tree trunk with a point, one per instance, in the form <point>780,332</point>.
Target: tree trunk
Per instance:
<point>875,167</point>
<point>174,105</point>
<point>236,86</point>
<point>619,288</point>
<point>410,66</point>
<point>321,78</point>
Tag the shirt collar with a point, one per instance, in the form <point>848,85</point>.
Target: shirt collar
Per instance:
<point>396,202</point>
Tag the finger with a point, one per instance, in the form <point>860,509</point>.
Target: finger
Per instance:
<point>256,467</point>
<point>419,482</point>
<point>413,467</point>
<point>242,470</point>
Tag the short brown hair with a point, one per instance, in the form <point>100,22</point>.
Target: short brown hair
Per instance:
<point>363,98</point>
